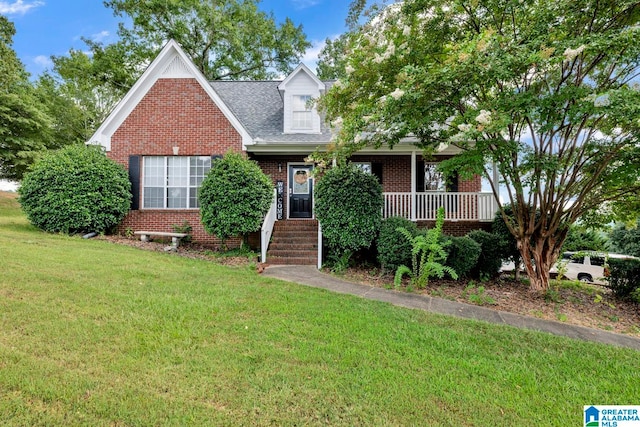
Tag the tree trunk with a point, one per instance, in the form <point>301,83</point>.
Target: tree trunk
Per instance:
<point>538,258</point>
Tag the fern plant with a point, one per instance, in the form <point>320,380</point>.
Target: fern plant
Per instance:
<point>427,256</point>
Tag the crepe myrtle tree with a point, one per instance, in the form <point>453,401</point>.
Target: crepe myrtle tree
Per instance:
<point>547,91</point>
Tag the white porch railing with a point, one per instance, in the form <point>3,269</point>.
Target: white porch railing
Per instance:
<point>267,226</point>
<point>457,206</point>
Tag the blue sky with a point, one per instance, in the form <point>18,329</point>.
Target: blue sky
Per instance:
<point>52,27</point>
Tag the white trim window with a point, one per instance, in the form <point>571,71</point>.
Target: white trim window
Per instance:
<point>433,178</point>
<point>302,117</point>
<point>172,182</point>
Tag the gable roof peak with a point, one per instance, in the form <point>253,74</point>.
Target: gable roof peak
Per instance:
<point>171,62</point>
<point>302,68</point>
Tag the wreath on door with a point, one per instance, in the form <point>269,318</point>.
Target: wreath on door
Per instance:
<point>300,177</point>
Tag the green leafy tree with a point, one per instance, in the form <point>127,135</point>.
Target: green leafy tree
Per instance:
<point>349,207</point>
<point>545,91</point>
<point>332,58</point>
<point>234,197</point>
<point>93,80</point>
<point>69,120</point>
<point>76,189</point>
<point>427,256</point>
<point>228,39</point>
<point>626,240</point>
<point>581,238</point>
<point>24,125</point>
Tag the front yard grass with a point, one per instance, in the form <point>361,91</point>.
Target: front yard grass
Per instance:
<point>93,333</point>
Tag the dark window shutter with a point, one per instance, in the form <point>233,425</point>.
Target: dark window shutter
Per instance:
<point>134,177</point>
<point>420,176</point>
<point>452,183</point>
<point>376,170</point>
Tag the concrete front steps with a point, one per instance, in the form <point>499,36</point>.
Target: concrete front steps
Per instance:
<point>294,242</point>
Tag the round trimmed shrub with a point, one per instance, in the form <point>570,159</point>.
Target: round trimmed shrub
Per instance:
<point>76,189</point>
<point>463,253</point>
<point>394,249</point>
<point>349,207</point>
<point>489,261</point>
<point>234,197</point>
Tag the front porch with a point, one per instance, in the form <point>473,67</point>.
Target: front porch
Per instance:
<point>412,186</point>
<point>463,208</point>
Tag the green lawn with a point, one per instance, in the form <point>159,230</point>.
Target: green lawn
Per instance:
<point>97,334</point>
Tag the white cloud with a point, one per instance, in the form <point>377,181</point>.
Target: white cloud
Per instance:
<point>303,4</point>
<point>101,36</point>
<point>43,61</point>
<point>18,7</point>
<point>310,57</point>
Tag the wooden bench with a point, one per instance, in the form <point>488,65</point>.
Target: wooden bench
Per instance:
<point>145,236</point>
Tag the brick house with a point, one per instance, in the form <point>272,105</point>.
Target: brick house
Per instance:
<point>172,122</point>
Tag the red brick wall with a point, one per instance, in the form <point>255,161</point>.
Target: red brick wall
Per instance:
<point>175,112</point>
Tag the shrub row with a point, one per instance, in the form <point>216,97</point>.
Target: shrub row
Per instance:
<point>478,254</point>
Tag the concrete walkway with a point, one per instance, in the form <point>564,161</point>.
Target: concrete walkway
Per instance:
<point>311,276</point>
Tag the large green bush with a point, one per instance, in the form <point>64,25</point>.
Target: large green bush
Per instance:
<point>393,247</point>
<point>463,253</point>
<point>349,207</point>
<point>489,261</point>
<point>507,242</point>
<point>624,277</point>
<point>76,189</point>
<point>234,197</point>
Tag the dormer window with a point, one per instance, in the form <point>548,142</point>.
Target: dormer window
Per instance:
<point>302,114</point>
<point>297,91</point>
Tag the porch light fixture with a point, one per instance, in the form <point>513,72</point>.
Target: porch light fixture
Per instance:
<point>279,166</point>
<point>176,150</point>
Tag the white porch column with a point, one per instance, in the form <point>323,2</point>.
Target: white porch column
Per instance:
<point>413,186</point>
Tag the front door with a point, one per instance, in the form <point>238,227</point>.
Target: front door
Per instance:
<point>300,191</point>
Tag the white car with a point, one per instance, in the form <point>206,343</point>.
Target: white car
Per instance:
<point>586,266</point>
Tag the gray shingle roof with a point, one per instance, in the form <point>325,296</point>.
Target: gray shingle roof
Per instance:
<point>259,106</point>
